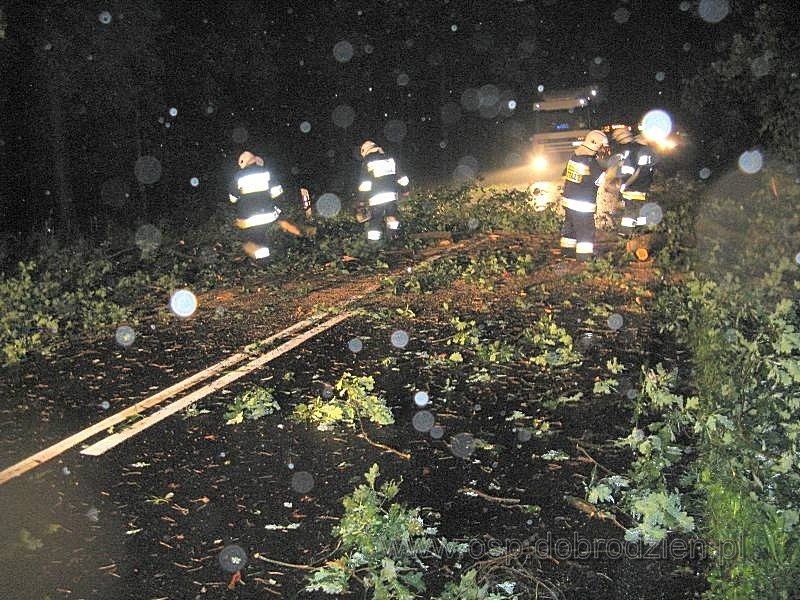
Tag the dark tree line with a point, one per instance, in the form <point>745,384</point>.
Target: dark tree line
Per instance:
<point>750,97</point>
<point>91,86</point>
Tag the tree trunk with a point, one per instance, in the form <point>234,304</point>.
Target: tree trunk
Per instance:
<point>60,162</point>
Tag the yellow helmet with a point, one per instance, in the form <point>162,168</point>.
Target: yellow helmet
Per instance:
<point>247,158</point>
<point>595,140</point>
<point>369,147</point>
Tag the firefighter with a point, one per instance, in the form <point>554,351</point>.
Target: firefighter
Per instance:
<point>637,161</point>
<point>379,188</point>
<point>256,197</point>
<point>583,174</point>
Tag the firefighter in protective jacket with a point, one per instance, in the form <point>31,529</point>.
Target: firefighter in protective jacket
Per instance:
<point>582,176</point>
<point>256,196</point>
<point>379,188</point>
<point>637,161</point>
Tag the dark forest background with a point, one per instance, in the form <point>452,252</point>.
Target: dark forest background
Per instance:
<point>91,146</point>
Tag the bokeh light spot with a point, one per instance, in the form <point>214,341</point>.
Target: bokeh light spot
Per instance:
<point>399,339</point>
<point>436,432</point>
<point>125,336</point>
<point>104,17</point>
<point>183,303</point>
<point>423,421</point>
<point>462,445</point>
<point>421,399</point>
<point>704,173</point>
<point>147,169</point>
<point>343,51</point>
<point>657,124</point>
<point>751,161</point>
<point>239,135</point>
<point>713,11</point>
<point>660,76</point>
<point>173,112</point>
<point>194,182</point>
<point>599,68</point>
<point>652,213</point>
<point>395,131</point>
<point>148,238</point>
<point>622,15</point>
<point>328,205</point>
<point>355,345</point>
<point>232,558</point>
<point>615,321</point>
<point>302,482</point>
<point>760,66</point>
<point>343,116</point>
<point>305,126</point>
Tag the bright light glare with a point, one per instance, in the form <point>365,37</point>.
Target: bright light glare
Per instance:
<point>656,125</point>
<point>666,144</point>
<point>183,303</point>
<point>539,162</point>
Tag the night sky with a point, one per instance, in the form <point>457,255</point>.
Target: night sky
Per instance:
<point>303,83</point>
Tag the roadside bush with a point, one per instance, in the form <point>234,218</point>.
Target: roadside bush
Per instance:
<point>737,312</point>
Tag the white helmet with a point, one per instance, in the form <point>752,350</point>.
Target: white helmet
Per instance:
<point>247,158</point>
<point>622,135</point>
<point>595,140</point>
<point>369,147</point>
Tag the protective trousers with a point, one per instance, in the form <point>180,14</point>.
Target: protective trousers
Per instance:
<point>577,234</point>
<point>383,217</point>
<point>631,217</point>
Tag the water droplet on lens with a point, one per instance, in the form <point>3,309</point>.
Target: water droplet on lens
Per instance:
<point>421,399</point>
<point>423,421</point>
<point>232,558</point>
<point>750,162</point>
<point>462,445</point>
<point>183,303</point>
<point>125,336</point>
<point>302,482</point>
<point>399,339</point>
<point>615,321</point>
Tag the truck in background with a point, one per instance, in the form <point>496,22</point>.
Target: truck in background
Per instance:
<point>561,118</point>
